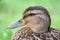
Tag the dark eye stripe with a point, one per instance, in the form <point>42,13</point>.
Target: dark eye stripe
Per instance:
<point>31,14</point>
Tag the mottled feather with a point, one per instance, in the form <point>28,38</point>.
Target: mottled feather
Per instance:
<point>27,34</point>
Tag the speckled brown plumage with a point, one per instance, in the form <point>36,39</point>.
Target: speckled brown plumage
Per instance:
<point>27,34</point>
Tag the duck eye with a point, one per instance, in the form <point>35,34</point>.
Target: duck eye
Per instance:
<point>31,14</point>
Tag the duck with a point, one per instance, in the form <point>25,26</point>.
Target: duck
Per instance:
<point>36,24</point>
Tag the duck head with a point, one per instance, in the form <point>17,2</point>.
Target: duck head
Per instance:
<point>35,17</point>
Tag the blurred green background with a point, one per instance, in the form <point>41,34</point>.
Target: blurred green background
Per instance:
<point>12,10</point>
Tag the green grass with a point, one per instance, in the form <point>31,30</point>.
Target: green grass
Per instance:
<point>12,10</point>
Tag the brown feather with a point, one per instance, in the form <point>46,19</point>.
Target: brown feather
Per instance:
<point>27,34</point>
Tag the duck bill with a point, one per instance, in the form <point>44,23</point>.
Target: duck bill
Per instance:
<point>15,25</point>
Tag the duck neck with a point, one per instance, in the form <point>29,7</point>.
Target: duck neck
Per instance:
<point>41,30</point>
